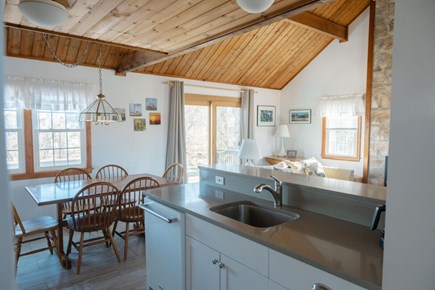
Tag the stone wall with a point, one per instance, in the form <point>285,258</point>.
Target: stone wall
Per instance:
<point>381,90</point>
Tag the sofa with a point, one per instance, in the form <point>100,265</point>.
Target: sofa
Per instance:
<point>311,166</point>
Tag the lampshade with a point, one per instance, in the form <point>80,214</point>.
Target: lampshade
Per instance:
<point>255,6</point>
<point>100,111</point>
<point>282,131</point>
<point>46,13</point>
<point>249,150</point>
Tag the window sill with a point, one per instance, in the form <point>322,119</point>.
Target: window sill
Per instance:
<point>41,174</point>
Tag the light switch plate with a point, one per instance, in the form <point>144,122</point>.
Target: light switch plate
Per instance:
<point>219,180</point>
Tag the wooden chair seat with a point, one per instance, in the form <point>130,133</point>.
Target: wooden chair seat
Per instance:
<point>36,226</point>
<point>91,223</point>
<point>131,214</point>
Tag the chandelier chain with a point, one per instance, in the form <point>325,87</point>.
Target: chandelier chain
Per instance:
<point>99,70</point>
<point>69,65</point>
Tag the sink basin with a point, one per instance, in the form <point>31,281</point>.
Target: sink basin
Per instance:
<point>254,215</point>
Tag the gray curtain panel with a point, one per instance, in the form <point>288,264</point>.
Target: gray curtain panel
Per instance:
<point>176,147</point>
<point>247,115</point>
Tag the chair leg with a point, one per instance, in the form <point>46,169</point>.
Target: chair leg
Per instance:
<point>127,232</point>
<point>114,246</point>
<point>50,247</point>
<point>18,250</point>
<point>114,228</point>
<point>71,234</point>
<point>79,261</point>
<point>55,240</point>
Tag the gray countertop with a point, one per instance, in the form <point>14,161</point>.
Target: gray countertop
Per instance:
<point>342,248</point>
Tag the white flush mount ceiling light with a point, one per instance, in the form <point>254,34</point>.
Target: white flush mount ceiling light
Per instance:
<point>46,13</point>
<point>255,6</point>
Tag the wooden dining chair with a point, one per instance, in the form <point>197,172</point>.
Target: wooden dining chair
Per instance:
<point>70,174</point>
<point>111,170</point>
<point>174,172</point>
<point>31,230</point>
<point>129,210</point>
<point>94,207</point>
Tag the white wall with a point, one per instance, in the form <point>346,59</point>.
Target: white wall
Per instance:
<point>6,249</point>
<point>409,256</point>
<point>118,143</point>
<point>340,69</point>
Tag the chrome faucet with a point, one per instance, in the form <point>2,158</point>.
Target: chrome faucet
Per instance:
<point>276,192</point>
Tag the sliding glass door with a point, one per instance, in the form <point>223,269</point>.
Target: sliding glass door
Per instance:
<point>212,131</point>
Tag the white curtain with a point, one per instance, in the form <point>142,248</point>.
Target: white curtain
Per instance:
<point>247,114</point>
<point>37,93</point>
<point>341,106</point>
<point>176,147</point>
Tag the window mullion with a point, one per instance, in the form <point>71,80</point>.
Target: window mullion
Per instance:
<point>28,141</point>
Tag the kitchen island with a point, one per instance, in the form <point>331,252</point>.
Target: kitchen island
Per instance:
<point>338,247</point>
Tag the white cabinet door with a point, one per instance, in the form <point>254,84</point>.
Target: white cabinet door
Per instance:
<point>295,274</point>
<point>202,273</point>
<point>207,269</point>
<point>235,276</point>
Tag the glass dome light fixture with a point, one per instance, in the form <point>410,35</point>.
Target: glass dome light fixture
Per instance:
<point>255,6</point>
<point>45,13</point>
<point>100,111</point>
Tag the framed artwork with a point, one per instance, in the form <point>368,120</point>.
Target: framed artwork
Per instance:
<point>266,116</point>
<point>292,153</point>
<point>139,124</point>
<point>135,110</point>
<point>151,104</point>
<point>155,119</point>
<point>300,116</point>
<point>121,111</point>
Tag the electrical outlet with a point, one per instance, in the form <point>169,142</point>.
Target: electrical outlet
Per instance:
<point>219,180</point>
<point>219,194</point>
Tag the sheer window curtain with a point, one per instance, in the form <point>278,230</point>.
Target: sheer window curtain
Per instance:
<point>176,147</point>
<point>38,93</point>
<point>341,106</point>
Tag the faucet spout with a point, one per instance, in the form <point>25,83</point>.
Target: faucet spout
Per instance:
<point>276,192</point>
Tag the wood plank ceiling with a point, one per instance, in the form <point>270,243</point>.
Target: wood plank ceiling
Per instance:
<point>211,40</point>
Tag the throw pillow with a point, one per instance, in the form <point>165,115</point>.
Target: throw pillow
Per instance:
<point>296,166</point>
<point>312,166</point>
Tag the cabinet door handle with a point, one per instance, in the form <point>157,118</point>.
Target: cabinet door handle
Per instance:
<point>214,261</point>
<point>320,286</point>
<point>221,265</point>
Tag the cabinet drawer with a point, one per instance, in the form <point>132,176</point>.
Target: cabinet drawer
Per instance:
<point>294,274</point>
<point>245,251</point>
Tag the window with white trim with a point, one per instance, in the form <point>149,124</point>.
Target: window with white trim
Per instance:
<point>14,137</point>
<point>59,139</point>
<point>341,138</point>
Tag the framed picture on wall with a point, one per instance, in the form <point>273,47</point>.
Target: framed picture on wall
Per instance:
<point>300,116</point>
<point>266,116</point>
<point>292,153</point>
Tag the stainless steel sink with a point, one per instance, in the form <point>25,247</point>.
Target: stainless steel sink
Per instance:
<point>254,215</point>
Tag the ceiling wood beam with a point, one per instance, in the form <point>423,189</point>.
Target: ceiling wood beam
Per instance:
<point>82,38</point>
<point>137,60</point>
<point>321,25</point>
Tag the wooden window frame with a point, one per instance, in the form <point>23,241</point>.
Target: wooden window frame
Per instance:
<point>357,158</point>
<point>212,102</point>
<point>30,172</point>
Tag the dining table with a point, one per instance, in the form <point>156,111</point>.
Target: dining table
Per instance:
<point>61,192</point>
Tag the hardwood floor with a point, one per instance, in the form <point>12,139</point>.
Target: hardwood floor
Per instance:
<point>99,270</point>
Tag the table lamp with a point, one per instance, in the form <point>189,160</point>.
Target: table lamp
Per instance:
<point>249,150</point>
<point>282,132</point>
